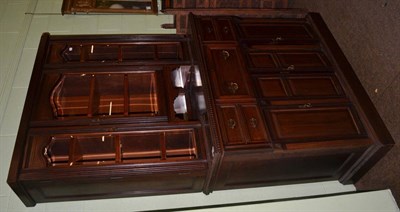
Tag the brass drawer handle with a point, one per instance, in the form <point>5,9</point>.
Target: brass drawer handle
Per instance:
<point>304,106</point>
<point>226,30</point>
<point>253,122</point>
<point>225,54</point>
<point>233,87</point>
<point>209,30</point>
<point>231,123</point>
<point>277,39</point>
<point>289,68</point>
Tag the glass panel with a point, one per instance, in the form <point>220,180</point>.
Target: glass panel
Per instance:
<point>143,146</point>
<point>143,94</point>
<point>109,94</point>
<point>96,149</point>
<point>71,96</point>
<point>57,152</point>
<point>180,144</point>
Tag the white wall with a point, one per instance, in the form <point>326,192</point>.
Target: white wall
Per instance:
<point>21,24</point>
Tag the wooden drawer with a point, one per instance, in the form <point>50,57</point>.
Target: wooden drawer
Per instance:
<point>216,29</point>
<point>242,124</point>
<point>277,31</point>
<point>299,86</point>
<point>225,66</point>
<point>287,61</point>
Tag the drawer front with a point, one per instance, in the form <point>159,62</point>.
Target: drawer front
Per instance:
<point>288,62</point>
<point>299,86</point>
<point>207,30</point>
<point>299,61</point>
<point>225,30</point>
<point>276,32</point>
<point>242,124</point>
<point>226,70</point>
<point>315,123</point>
<point>231,126</point>
<point>254,124</point>
<point>216,29</point>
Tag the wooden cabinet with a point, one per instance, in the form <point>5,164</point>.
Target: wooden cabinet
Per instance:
<point>181,9</point>
<point>302,117</point>
<point>110,109</point>
<point>235,103</point>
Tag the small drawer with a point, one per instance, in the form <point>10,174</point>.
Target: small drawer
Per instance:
<point>299,86</point>
<point>225,66</point>
<point>242,124</point>
<point>216,29</point>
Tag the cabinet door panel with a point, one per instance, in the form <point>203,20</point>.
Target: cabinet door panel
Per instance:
<point>314,86</point>
<point>272,87</point>
<point>226,69</point>
<point>314,123</point>
<point>306,61</point>
<point>263,60</point>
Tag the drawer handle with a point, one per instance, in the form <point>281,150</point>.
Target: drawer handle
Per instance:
<point>289,68</point>
<point>231,123</point>
<point>225,54</point>
<point>308,105</point>
<point>233,87</point>
<point>277,39</point>
<point>209,30</point>
<point>253,122</point>
<point>226,30</point>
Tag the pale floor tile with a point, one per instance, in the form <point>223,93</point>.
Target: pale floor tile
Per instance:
<point>44,6</point>
<point>13,17</point>
<point>60,24</point>
<point>6,149</point>
<point>75,206</point>
<point>7,44</point>
<point>332,187</point>
<point>199,199</point>
<point>39,24</point>
<point>153,23</point>
<point>15,205</point>
<point>109,23</point>
<point>25,68</point>
<point>85,24</point>
<point>13,112</point>
<point>134,24</point>
<point>3,203</point>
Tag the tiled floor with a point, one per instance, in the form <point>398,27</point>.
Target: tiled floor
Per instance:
<point>20,35</point>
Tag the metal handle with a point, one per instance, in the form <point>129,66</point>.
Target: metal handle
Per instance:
<point>308,105</point>
<point>209,30</point>
<point>225,54</point>
<point>289,68</point>
<point>253,122</point>
<point>233,87</point>
<point>279,38</point>
<point>231,123</point>
<point>226,30</point>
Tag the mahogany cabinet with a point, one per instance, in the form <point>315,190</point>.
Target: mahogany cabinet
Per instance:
<point>236,103</point>
<point>111,116</point>
<point>285,105</point>
<point>181,9</point>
